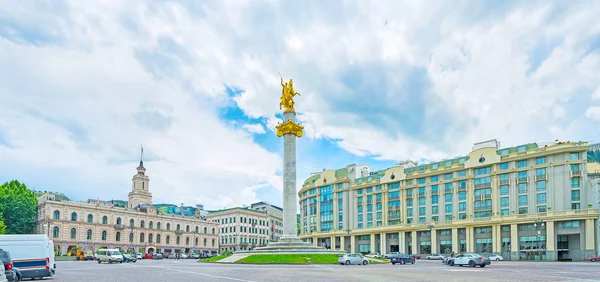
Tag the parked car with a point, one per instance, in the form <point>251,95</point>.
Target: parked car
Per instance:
<point>592,258</point>
<point>157,256</point>
<point>195,256</point>
<point>2,275</point>
<point>349,259</point>
<point>401,259</point>
<point>374,255</point>
<point>139,256</point>
<point>388,256</point>
<point>183,256</point>
<point>148,256</point>
<point>415,256</point>
<point>496,257</point>
<point>129,258</point>
<point>11,273</point>
<point>469,259</point>
<point>84,255</point>
<point>109,255</point>
<point>434,256</point>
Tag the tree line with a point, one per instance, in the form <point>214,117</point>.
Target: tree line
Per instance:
<point>18,208</point>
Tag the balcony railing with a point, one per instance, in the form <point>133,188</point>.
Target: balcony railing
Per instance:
<point>483,208</point>
<point>541,177</point>
<point>462,188</point>
<point>483,185</point>
<point>436,192</point>
<point>575,173</point>
<point>504,181</point>
<point>421,194</point>
<point>119,226</point>
<point>448,190</point>
<point>179,231</point>
<point>409,196</point>
<point>522,179</point>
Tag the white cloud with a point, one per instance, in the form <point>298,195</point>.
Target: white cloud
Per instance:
<point>255,128</point>
<point>81,87</point>
<point>593,113</point>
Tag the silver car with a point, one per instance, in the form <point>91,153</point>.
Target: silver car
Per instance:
<point>349,259</point>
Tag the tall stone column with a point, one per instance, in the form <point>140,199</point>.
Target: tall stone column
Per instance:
<point>290,130</point>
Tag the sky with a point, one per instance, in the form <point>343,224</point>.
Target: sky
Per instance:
<point>83,84</point>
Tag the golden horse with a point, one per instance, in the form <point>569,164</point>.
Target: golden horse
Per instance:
<point>287,95</point>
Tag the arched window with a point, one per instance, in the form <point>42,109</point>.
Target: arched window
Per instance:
<point>73,233</point>
<point>104,220</point>
<point>213,231</point>
<point>103,235</point>
<point>196,229</point>
<point>90,218</point>
<point>118,236</point>
<point>187,228</point>
<point>150,225</point>
<point>118,220</point>
<point>196,242</point>
<point>187,241</point>
<point>158,225</point>
<point>178,227</point>
<point>131,237</point>
<point>168,239</point>
<point>89,234</point>
<point>142,224</point>
<point>55,232</point>
<point>178,240</point>
<point>205,242</point>
<point>74,216</point>
<point>57,215</point>
<point>205,230</point>
<point>168,226</point>
<point>131,223</point>
<point>157,238</point>
<point>142,237</point>
<point>213,242</point>
<point>150,238</point>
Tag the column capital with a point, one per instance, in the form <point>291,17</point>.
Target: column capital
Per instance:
<point>289,127</point>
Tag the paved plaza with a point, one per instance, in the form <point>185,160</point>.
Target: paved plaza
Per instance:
<point>190,270</point>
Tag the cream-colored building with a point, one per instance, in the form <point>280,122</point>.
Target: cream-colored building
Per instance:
<point>526,202</point>
<point>275,215</point>
<point>242,228</point>
<point>138,226</point>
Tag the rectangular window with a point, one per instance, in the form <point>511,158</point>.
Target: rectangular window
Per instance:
<point>448,176</point>
<point>421,201</point>
<point>540,172</point>
<point>540,186</point>
<point>574,156</point>
<point>448,198</point>
<point>504,202</point>
<point>483,170</point>
<point>541,198</point>
<point>575,206</point>
<point>422,180</point>
<point>434,178</point>
<point>422,211</point>
<point>462,207</point>
<point>448,208</point>
<point>523,210</point>
<point>523,200</point>
<point>462,173</point>
<point>504,212</point>
<point>462,195</point>
<point>575,195</point>
<point>569,224</point>
<point>522,188</point>
<point>434,210</point>
<point>434,200</point>
<point>448,187</point>
<point>392,186</point>
<point>409,212</point>
<point>504,190</point>
<point>521,148</point>
<point>503,166</point>
<point>434,189</point>
<point>448,217</point>
<point>540,160</point>
<point>575,182</point>
<point>522,164</point>
<point>541,208</point>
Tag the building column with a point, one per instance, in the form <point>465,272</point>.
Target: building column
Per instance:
<point>514,242</point>
<point>434,242</point>
<point>495,238</point>
<point>372,241</point>
<point>470,245</point>
<point>343,243</point>
<point>402,242</point>
<point>550,242</point>
<point>455,242</point>
<point>383,238</point>
<point>352,244</point>
<point>415,245</point>
<point>590,239</point>
<point>315,241</point>
<point>332,243</point>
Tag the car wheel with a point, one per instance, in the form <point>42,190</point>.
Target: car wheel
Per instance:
<point>451,263</point>
<point>18,278</point>
<point>472,264</point>
<point>593,260</point>
<point>347,262</point>
<point>412,262</point>
<point>482,266</point>
<point>109,261</point>
<point>365,262</point>
<point>99,261</point>
<point>497,259</point>
<point>393,263</point>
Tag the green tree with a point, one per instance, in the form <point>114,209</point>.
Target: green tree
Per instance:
<point>18,206</point>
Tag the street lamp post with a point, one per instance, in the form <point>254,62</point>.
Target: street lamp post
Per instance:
<point>48,224</point>
<point>539,223</point>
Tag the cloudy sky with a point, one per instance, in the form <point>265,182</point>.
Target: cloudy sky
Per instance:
<point>84,83</point>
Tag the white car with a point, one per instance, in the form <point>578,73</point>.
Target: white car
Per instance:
<point>434,256</point>
<point>496,257</point>
<point>374,255</point>
<point>2,274</point>
<point>138,256</point>
<point>349,259</point>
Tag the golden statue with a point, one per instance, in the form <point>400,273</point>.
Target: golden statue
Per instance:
<point>287,95</point>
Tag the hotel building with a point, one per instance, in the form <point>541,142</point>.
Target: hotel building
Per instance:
<point>529,202</point>
<point>139,225</point>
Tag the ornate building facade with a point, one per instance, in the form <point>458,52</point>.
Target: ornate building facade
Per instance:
<point>138,226</point>
<point>529,202</point>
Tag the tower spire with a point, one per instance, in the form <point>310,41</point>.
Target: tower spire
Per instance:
<point>142,156</point>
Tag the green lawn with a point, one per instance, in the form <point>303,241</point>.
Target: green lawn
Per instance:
<point>213,259</point>
<point>291,259</point>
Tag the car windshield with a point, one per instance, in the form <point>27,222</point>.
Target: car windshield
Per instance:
<point>88,253</point>
<point>4,257</point>
<point>115,253</point>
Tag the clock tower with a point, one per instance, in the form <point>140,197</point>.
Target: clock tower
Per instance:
<point>140,190</point>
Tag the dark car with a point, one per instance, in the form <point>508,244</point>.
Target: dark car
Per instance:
<point>401,259</point>
<point>157,256</point>
<point>12,274</point>
<point>129,258</point>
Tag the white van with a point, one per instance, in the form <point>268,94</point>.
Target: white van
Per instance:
<point>109,255</point>
<point>33,255</point>
<point>2,274</point>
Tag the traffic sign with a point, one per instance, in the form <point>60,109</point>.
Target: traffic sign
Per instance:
<point>86,242</point>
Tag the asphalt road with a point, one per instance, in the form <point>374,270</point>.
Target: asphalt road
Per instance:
<point>190,270</point>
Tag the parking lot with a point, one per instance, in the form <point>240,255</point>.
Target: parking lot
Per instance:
<point>190,270</point>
